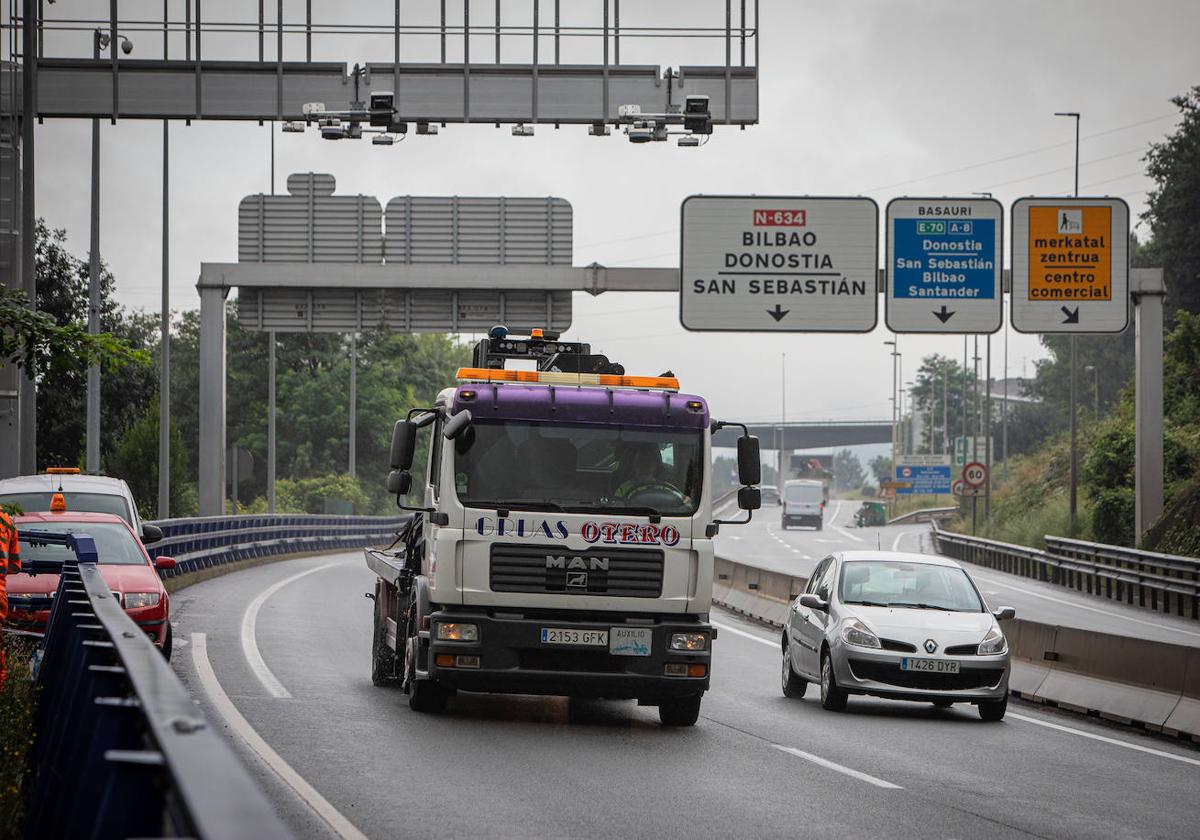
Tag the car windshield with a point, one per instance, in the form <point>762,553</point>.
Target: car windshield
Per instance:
<point>578,468</point>
<point>115,545</point>
<point>802,492</point>
<point>893,583</point>
<point>82,502</point>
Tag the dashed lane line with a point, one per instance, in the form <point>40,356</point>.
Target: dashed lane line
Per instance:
<point>838,768</point>
<point>336,821</point>
<point>250,626</point>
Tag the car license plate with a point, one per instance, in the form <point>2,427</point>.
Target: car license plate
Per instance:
<point>630,641</point>
<point>569,636</point>
<point>931,666</point>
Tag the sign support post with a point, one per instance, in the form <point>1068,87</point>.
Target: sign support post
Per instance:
<point>1148,293</point>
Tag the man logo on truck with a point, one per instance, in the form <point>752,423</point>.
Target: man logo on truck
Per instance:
<point>595,564</point>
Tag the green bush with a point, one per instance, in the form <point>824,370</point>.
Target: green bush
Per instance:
<point>1112,516</point>
<point>16,734</point>
<point>309,495</point>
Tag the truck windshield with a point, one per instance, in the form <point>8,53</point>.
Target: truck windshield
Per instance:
<point>579,468</point>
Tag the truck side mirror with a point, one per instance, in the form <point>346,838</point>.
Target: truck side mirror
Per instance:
<point>456,425</point>
<point>404,445</point>
<point>749,498</point>
<point>399,482</point>
<point>749,463</point>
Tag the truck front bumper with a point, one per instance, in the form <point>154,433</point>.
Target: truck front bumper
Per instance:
<point>513,659</point>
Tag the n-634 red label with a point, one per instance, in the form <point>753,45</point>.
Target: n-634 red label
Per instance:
<point>780,218</point>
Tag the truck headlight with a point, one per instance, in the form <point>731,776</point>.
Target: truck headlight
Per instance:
<point>854,632</point>
<point>689,641</point>
<point>993,643</point>
<point>449,632</point>
<point>139,600</point>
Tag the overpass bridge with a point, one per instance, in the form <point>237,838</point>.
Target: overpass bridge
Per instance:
<point>811,434</point>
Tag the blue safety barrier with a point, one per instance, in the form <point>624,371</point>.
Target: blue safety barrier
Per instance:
<point>121,749</point>
<point>202,542</point>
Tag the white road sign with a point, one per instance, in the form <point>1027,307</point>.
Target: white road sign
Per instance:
<point>944,265</point>
<point>1070,265</point>
<point>974,474</point>
<point>779,264</point>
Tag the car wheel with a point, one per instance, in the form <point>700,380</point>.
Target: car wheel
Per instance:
<point>383,660</point>
<point>832,698</point>
<point>167,643</point>
<point>820,525</point>
<point>682,711</point>
<point>993,710</point>
<point>943,704</point>
<point>793,686</point>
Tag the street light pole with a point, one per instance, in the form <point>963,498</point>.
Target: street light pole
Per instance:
<point>892,399</point>
<point>92,425</point>
<point>1074,468</point>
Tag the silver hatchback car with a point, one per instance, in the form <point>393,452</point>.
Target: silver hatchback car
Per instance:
<point>901,626</point>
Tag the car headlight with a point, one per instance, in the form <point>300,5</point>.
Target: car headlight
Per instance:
<point>451,632</point>
<point>993,643</point>
<point>139,600</point>
<point>854,632</point>
<point>689,641</point>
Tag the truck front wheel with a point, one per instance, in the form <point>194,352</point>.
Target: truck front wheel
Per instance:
<point>681,711</point>
<point>426,696</point>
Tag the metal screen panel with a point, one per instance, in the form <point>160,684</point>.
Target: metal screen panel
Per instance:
<point>310,225</point>
<point>482,231</point>
<point>403,310</point>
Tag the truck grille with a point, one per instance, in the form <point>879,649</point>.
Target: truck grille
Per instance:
<point>624,572</point>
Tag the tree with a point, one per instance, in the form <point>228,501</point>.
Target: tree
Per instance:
<point>881,467</point>
<point>848,471</point>
<point>1173,206</point>
<point>938,375</point>
<point>135,459</point>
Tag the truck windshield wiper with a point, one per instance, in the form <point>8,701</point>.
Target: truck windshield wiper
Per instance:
<point>532,504</point>
<point>642,509</point>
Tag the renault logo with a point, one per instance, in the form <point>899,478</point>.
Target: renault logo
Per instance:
<point>930,646</point>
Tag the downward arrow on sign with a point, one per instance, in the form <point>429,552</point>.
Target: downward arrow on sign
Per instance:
<point>944,316</point>
<point>778,313</point>
<point>1072,315</point>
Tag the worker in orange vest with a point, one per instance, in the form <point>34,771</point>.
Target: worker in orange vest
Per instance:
<point>10,563</point>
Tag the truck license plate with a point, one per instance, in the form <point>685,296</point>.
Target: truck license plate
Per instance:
<point>569,636</point>
<point>931,666</point>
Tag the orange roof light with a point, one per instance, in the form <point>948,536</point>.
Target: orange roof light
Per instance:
<point>58,504</point>
<point>536,333</point>
<point>541,377</point>
<point>62,470</point>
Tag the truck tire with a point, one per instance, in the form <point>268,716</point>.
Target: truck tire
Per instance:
<point>383,659</point>
<point>681,711</point>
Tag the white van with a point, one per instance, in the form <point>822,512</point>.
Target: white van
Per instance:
<point>803,503</point>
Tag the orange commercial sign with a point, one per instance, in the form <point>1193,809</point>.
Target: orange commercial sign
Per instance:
<point>1070,253</point>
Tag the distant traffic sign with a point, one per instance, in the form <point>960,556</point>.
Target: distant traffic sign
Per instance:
<point>974,474</point>
<point>923,474</point>
<point>1070,265</point>
<point>779,264</point>
<point>944,265</point>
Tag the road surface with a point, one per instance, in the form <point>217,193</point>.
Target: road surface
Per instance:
<point>282,651</point>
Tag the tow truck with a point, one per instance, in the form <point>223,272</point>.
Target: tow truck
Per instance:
<point>561,541</point>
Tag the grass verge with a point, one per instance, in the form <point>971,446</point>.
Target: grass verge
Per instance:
<point>16,734</point>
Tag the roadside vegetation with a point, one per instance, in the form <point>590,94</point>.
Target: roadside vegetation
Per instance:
<point>16,736</point>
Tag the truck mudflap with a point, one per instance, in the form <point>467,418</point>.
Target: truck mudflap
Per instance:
<point>579,657</point>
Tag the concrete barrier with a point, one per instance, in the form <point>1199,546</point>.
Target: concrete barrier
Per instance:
<point>1154,685</point>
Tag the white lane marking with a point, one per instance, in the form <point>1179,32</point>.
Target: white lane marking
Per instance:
<point>838,768</point>
<point>754,637</point>
<point>250,625</point>
<point>1114,741</point>
<point>834,542</point>
<point>234,720</point>
<point>1078,606</point>
<point>900,536</point>
<point>806,557</point>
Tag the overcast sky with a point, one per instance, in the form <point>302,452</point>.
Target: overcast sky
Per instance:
<point>872,98</point>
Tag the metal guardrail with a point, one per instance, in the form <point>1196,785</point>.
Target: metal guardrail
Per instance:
<point>120,749</point>
<point>202,542</point>
<point>923,515</point>
<point>1160,582</point>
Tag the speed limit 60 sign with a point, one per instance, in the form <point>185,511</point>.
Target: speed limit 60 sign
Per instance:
<point>974,474</point>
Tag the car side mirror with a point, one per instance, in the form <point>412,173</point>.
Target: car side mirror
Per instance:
<point>165,564</point>
<point>749,498</point>
<point>1005,613</point>
<point>151,533</point>
<point>399,483</point>
<point>404,445</point>
<point>749,463</point>
<point>814,602</point>
<point>456,425</point>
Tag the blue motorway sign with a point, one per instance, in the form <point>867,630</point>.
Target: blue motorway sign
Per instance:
<point>944,265</point>
<point>924,475</point>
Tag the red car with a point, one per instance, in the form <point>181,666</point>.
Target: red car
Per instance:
<point>124,564</point>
